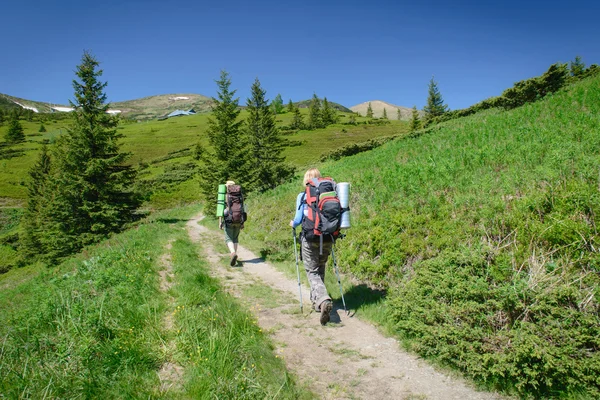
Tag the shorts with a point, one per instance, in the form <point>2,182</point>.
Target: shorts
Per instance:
<point>232,231</point>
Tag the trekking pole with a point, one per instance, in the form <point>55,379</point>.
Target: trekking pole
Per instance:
<point>297,270</point>
<point>338,277</point>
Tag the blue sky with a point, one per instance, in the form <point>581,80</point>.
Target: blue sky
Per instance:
<point>348,51</point>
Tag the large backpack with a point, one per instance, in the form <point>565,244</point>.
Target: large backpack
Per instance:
<point>235,205</point>
<point>323,217</point>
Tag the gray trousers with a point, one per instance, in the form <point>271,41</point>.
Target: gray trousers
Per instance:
<point>314,264</point>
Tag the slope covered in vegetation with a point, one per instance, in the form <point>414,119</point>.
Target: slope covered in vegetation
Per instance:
<point>483,231</point>
<point>100,325</point>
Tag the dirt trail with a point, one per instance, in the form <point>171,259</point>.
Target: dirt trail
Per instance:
<point>346,359</point>
<point>170,372</point>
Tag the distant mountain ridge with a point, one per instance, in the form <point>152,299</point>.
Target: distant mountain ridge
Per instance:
<point>378,106</point>
<point>337,106</point>
<point>157,106</point>
<point>144,108</point>
<point>8,102</point>
<point>160,105</point>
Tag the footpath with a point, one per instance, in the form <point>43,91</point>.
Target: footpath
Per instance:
<point>346,359</point>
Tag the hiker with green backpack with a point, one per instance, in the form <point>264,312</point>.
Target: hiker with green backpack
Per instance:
<point>233,218</point>
<point>318,210</point>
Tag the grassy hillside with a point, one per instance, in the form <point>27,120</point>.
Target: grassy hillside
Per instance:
<point>163,153</point>
<point>143,109</point>
<point>157,106</point>
<point>336,106</point>
<point>378,106</point>
<point>161,143</point>
<point>7,101</point>
<point>483,231</point>
<point>96,326</point>
<point>6,104</point>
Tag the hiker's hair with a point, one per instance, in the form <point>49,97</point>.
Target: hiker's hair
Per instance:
<point>228,183</point>
<point>311,173</point>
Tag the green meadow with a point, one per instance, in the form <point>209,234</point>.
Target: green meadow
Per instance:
<point>95,326</point>
<point>156,145</point>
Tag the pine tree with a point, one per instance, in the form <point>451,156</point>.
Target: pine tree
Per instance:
<point>399,115</point>
<point>435,104</point>
<point>415,122</point>
<point>297,119</point>
<point>42,128</point>
<point>33,219</point>
<point>384,113</point>
<point>329,114</point>
<point>290,106</point>
<point>577,67</point>
<point>315,117</point>
<point>369,111</point>
<point>15,133</point>
<point>226,161</point>
<point>266,167</point>
<point>92,188</point>
<point>277,105</point>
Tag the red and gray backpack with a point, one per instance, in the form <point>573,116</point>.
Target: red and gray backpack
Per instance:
<point>323,218</point>
<point>235,205</point>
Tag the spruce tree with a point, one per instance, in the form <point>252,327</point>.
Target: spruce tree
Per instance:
<point>226,161</point>
<point>297,119</point>
<point>266,168</point>
<point>92,188</point>
<point>369,111</point>
<point>315,117</point>
<point>384,113</point>
<point>435,104</point>
<point>33,221</point>
<point>290,106</point>
<point>399,114</point>
<point>15,133</point>
<point>277,105</point>
<point>329,114</point>
<point>415,122</point>
<point>42,128</point>
<point>577,67</point>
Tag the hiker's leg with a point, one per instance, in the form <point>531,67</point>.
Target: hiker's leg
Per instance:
<point>231,247</point>
<point>231,237</point>
<point>323,260</point>
<point>235,234</point>
<point>311,259</point>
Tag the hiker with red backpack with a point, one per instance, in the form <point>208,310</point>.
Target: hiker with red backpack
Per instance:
<point>233,219</point>
<point>318,210</point>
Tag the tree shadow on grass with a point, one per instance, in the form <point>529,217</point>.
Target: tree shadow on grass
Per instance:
<point>6,153</point>
<point>171,220</point>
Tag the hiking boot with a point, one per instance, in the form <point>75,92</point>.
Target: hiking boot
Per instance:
<point>233,259</point>
<point>326,307</point>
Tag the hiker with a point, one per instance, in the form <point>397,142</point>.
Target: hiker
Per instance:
<point>233,218</point>
<point>314,255</point>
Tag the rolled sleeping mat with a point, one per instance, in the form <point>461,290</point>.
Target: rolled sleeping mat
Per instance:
<point>221,200</point>
<point>343,191</point>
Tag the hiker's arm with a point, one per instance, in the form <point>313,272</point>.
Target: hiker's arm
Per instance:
<point>299,212</point>
<point>220,223</point>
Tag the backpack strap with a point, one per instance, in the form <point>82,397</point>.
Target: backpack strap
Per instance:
<point>302,200</point>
